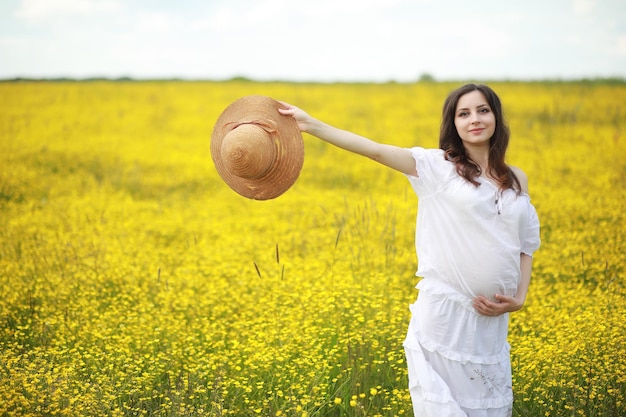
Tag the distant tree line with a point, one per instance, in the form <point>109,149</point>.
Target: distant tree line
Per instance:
<point>423,78</point>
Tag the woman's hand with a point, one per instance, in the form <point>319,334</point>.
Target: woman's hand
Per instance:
<point>503,304</point>
<point>301,117</point>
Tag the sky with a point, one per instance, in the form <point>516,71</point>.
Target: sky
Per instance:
<point>314,40</point>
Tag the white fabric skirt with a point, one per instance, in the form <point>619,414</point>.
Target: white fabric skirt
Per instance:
<point>458,360</point>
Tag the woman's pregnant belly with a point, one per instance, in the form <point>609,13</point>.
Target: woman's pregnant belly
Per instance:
<point>474,274</point>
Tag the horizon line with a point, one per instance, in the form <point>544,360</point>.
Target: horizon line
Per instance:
<point>425,78</point>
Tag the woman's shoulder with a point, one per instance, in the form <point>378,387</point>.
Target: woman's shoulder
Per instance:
<point>521,177</point>
<point>435,153</point>
<point>433,157</point>
<point>432,167</point>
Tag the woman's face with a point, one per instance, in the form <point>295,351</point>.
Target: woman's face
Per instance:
<point>474,119</point>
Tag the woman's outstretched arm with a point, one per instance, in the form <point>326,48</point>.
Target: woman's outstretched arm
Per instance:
<point>392,156</point>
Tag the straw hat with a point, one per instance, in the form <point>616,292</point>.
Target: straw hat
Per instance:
<point>257,151</point>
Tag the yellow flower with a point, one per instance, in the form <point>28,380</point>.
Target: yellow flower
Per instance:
<point>132,271</point>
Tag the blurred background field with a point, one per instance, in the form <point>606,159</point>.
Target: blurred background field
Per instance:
<point>135,282</point>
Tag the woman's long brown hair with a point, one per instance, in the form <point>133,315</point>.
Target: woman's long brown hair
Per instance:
<point>451,143</point>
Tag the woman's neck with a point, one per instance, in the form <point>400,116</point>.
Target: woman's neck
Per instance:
<point>481,157</point>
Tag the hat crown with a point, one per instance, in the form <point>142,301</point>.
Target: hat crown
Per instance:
<point>248,151</point>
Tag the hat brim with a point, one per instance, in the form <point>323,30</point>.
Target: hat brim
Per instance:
<point>286,137</point>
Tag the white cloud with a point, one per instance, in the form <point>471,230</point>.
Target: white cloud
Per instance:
<point>45,9</point>
<point>235,17</point>
<point>620,46</point>
<point>351,8</point>
<point>153,23</point>
<point>584,7</point>
<point>13,42</point>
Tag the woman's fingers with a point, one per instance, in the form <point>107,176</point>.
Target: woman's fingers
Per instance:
<point>503,304</point>
<point>488,308</point>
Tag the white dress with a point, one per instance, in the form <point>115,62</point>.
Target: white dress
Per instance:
<point>468,243</point>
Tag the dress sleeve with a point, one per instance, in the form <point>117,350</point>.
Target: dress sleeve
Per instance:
<point>431,168</point>
<point>530,237</point>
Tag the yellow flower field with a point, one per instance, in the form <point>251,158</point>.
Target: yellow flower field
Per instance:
<point>134,282</point>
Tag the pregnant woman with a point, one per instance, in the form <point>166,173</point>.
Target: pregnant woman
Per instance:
<point>475,236</point>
